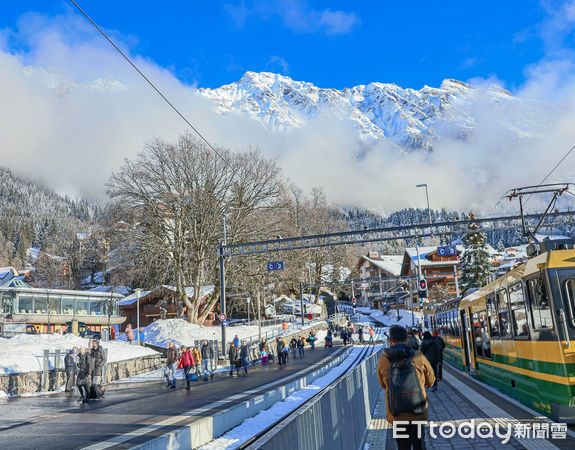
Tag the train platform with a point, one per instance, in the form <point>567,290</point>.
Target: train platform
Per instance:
<point>131,414</point>
<point>497,420</point>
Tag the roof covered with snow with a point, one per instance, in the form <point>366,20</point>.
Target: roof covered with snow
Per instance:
<point>389,263</point>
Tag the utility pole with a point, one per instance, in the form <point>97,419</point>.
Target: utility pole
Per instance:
<point>301,300</point>
<point>223,291</point>
<point>138,292</point>
<point>456,280</point>
<point>411,301</point>
<point>259,315</point>
<point>426,196</point>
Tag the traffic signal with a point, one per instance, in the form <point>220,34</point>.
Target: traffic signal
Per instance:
<point>422,288</point>
<point>353,300</point>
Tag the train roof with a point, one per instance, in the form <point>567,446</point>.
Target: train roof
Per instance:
<point>554,258</point>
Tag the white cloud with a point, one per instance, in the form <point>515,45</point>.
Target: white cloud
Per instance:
<point>278,64</point>
<point>297,15</point>
<point>72,110</point>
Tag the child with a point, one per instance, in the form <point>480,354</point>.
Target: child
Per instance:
<point>264,356</point>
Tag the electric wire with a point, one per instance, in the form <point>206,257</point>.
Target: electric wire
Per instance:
<point>176,110</point>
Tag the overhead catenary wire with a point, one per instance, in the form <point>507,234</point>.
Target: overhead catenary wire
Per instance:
<point>176,110</point>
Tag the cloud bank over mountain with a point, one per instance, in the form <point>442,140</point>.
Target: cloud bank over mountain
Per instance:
<point>72,110</point>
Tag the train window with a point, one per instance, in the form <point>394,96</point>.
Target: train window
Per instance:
<point>518,313</point>
<point>481,335</point>
<point>503,314</point>
<point>539,304</point>
<point>493,319</point>
<point>570,288</point>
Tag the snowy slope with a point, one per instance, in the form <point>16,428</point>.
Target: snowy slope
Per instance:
<point>412,119</point>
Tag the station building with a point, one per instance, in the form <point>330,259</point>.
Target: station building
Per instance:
<point>50,309</point>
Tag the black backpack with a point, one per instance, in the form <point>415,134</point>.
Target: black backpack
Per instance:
<point>404,391</point>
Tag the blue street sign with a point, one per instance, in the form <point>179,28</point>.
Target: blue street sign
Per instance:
<point>275,265</point>
<point>450,250</point>
<point>225,323</point>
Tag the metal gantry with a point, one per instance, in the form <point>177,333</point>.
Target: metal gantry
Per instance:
<point>400,232</point>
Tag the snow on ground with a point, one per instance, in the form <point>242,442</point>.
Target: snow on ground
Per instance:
<point>405,316</point>
<point>252,426</point>
<point>25,353</point>
<point>180,332</point>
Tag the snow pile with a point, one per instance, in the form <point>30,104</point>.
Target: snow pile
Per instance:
<point>25,353</point>
<point>180,332</point>
<point>405,316</point>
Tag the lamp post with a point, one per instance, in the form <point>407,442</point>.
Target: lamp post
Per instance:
<point>427,196</point>
<point>138,293</point>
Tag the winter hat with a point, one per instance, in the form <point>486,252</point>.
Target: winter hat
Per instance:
<point>71,352</point>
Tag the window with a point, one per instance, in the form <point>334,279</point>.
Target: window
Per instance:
<point>67,305</point>
<point>7,302</point>
<point>503,314</point>
<point>493,318</point>
<point>570,288</point>
<point>481,335</point>
<point>96,306</point>
<point>40,304</point>
<point>81,305</point>
<point>518,312</point>
<point>539,307</point>
<point>25,303</point>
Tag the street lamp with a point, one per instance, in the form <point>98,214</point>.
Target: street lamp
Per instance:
<point>138,293</point>
<point>427,196</point>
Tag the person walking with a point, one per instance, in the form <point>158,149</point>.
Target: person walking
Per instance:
<point>70,369</point>
<point>371,335</point>
<point>207,353</point>
<point>98,361</point>
<point>187,363</point>
<point>84,377</point>
<point>293,346</point>
<point>401,369</point>
<point>234,356</point>
<point>245,356</point>
<point>344,336</point>
<point>129,334</point>
<point>360,334</point>
<point>430,349</point>
<point>311,340</point>
<point>412,341</point>
<point>264,355</point>
<point>300,346</point>
<point>141,335</point>
<point>171,360</point>
<point>280,346</point>
<point>197,354</point>
<point>441,345</point>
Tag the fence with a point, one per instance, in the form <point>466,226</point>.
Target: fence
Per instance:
<point>52,373</point>
<point>338,418</point>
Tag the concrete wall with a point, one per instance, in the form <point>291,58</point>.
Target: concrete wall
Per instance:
<point>30,382</point>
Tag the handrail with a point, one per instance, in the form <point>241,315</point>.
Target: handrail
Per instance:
<point>565,329</point>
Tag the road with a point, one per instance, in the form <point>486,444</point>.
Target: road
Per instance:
<point>58,421</point>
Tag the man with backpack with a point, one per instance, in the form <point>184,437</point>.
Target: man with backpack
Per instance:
<point>402,371</point>
<point>441,344</point>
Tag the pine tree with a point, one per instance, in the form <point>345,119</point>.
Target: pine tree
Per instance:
<point>475,266</point>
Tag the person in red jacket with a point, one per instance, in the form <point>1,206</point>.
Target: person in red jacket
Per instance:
<point>187,363</point>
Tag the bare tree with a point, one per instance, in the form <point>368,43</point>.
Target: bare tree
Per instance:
<point>179,193</point>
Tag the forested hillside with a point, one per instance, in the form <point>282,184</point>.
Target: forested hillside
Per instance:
<point>32,215</point>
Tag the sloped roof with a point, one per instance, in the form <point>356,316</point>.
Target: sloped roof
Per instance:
<point>389,263</point>
<point>132,298</point>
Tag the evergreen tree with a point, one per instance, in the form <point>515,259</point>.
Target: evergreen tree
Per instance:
<point>475,266</point>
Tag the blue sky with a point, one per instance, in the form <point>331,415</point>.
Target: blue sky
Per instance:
<point>332,44</point>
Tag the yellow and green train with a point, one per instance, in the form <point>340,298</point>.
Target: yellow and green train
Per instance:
<point>518,332</point>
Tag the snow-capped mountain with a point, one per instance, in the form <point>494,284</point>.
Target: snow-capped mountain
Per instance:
<point>412,119</point>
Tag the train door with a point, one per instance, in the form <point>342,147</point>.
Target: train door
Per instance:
<point>465,334</point>
<point>565,305</point>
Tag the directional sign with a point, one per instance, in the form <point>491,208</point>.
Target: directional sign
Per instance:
<point>275,265</point>
<point>450,250</point>
<point>223,317</point>
<point>225,323</point>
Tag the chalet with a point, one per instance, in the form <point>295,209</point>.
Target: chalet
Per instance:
<point>160,303</point>
<point>376,273</point>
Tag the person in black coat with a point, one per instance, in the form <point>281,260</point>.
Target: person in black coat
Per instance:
<point>84,377</point>
<point>70,369</point>
<point>441,344</point>
<point>280,346</point>
<point>234,356</point>
<point>244,356</point>
<point>430,349</point>
<point>98,361</point>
